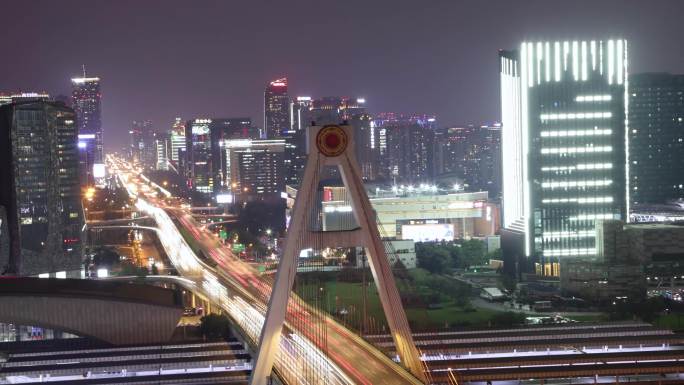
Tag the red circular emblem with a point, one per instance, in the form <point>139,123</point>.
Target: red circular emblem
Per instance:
<point>331,140</point>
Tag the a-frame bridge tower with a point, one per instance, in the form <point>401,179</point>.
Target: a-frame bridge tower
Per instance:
<point>333,145</point>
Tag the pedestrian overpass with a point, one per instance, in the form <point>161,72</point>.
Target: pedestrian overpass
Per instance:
<point>114,312</point>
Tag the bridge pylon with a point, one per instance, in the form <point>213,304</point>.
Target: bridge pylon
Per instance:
<point>333,145</point>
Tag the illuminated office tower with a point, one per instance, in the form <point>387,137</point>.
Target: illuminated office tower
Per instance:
<point>176,142</point>
<point>161,145</point>
<point>41,217</point>
<point>564,146</point>
<point>276,109</point>
<point>198,169</point>
<point>254,169</point>
<point>86,101</point>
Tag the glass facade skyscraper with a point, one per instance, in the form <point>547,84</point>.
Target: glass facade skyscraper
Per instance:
<point>564,145</point>
<point>656,137</point>
<point>40,202</point>
<point>86,101</point>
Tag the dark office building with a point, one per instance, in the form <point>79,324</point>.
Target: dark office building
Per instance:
<point>656,137</point>
<point>276,109</point>
<point>563,145</point>
<point>143,148</point>
<point>336,110</point>
<point>326,110</point>
<point>222,130</point>
<point>405,147</point>
<point>39,189</point>
<point>86,101</point>
<point>354,112</point>
<point>473,154</point>
<point>295,140</point>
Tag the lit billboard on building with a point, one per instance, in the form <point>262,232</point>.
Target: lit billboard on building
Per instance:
<point>428,232</point>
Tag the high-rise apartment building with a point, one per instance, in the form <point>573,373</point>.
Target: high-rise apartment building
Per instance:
<point>471,153</point>
<point>405,147</point>
<point>42,216</point>
<point>656,137</point>
<point>564,146</point>
<point>86,101</point>
<point>276,109</point>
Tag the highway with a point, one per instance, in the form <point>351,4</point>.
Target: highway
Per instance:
<point>341,357</point>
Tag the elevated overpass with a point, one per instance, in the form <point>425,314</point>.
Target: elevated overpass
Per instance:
<point>114,312</point>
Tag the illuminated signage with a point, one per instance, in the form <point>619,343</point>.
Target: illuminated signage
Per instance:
<point>98,170</point>
<point>428,232</point>
<point>338,209</point>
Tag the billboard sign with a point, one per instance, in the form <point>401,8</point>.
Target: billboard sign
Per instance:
<point>428,232</point>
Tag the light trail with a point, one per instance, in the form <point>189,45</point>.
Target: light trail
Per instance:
<point>349,358</point>
<point>246,315</point>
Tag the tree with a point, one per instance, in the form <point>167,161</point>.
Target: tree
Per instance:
<point>433,259</point>
<point>507,319</point>
<point>496,254</point>
<point>215,326</point>
<point>400,270</point>
<point>105,256</point>
<point>129,268</point>
<point>155,269</point>
<point>473,252</point>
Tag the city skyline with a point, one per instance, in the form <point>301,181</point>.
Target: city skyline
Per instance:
<point>196,74</point>
<point>317,192</point>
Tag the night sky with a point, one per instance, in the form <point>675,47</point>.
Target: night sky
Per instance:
<point>161,59</point>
